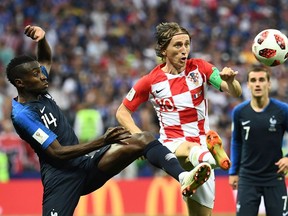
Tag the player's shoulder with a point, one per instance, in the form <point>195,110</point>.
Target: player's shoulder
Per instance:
<point>198,62</point>
<point>155,75</point>
<point>280,104</point>
<point>241,106</point>
<point>203,66</point>
<point>20,111</point>
<point>156,70</point>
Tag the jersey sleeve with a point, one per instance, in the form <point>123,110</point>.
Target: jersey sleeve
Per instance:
<point>138,94</point>
<point>236,143</point>
<point>44,71</point>
<point>284,107</point>
<point>212,74</point>
<point>30,128</point>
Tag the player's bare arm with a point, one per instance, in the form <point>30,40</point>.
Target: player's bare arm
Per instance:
<point>229,83</point>
<point>112,135</point>
<point>44,53</point>
<point>116,135</point>
<point>124,117</point>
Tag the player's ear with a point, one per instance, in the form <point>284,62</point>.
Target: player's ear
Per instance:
<point>19,83</point>
<point>269,85</point>
<point>248,85</point>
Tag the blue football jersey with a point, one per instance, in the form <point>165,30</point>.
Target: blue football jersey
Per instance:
<point>257,139</point>
<point>39,123</point>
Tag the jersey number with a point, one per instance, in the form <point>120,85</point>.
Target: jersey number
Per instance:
<point>285,202</point>
<point>165,104</point>
<point>247,129</point>
<point>48,121</point>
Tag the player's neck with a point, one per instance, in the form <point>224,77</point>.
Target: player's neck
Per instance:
<point>26,99</point>
<point>259,104</point>
<point>171,70</point>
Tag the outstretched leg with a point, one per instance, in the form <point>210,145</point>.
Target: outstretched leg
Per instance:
<point>120,156</point>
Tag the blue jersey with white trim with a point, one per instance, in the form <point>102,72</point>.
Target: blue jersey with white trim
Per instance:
<point>39,123</point>
<point>257,139</point>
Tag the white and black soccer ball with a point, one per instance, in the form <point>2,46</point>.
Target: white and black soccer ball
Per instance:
<point>270,47</point>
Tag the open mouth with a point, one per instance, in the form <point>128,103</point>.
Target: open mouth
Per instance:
<point>183,59</point>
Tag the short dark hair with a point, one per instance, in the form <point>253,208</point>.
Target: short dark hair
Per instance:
<point>14,74</point>
<point>259,68</point>
<point>164,34</point>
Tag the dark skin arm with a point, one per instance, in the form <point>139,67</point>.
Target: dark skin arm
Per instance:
<point>44,53</point>
<point>112,135</point>
<point>56,150</point>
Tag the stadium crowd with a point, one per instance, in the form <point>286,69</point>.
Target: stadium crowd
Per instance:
<point>101,48</point>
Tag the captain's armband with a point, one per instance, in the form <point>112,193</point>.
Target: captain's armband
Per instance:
<point>215,79</point>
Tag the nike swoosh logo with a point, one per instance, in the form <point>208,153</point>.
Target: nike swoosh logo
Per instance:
<point>42,110</point>
<point>246,122</point>
<point>158,91</point>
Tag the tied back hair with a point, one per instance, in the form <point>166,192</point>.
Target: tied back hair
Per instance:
<point>164,34</point>
<point>14,74</point>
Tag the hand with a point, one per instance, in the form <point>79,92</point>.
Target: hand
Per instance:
<point>34,32</point>
<point>233,181</point>
<point>116,135</point>
<point>282,165</point>
<point>228,75</point>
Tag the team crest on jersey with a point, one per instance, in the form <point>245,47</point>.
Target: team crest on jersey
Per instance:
<point>273,123</point>
<point>193,76</point>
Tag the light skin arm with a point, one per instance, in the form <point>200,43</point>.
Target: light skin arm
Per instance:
<point>112,135</point>
<point>124,117</point>
<point>233,181</point>
<point>282,165</point>
<point>44,53</point>
<point>229,83</point>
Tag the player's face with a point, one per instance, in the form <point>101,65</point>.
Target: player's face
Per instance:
<point>258,84</point>
<point>177,52</point>
<point>32,80</point>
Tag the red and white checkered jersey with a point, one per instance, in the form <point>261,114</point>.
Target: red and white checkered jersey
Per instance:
<point>179,100</point>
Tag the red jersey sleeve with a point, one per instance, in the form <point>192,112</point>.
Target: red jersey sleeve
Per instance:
<point>138,94</point>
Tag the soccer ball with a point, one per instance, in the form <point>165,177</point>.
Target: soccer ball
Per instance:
<point>270,47</point>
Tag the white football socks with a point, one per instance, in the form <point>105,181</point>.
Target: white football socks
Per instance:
<point>200,154</point>
<point>182,176</point>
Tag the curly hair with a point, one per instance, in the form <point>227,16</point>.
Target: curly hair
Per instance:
<point>164,34</point>
<point>13,74</point>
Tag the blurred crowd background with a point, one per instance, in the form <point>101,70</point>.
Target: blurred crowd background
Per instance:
<point>101,47</point>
